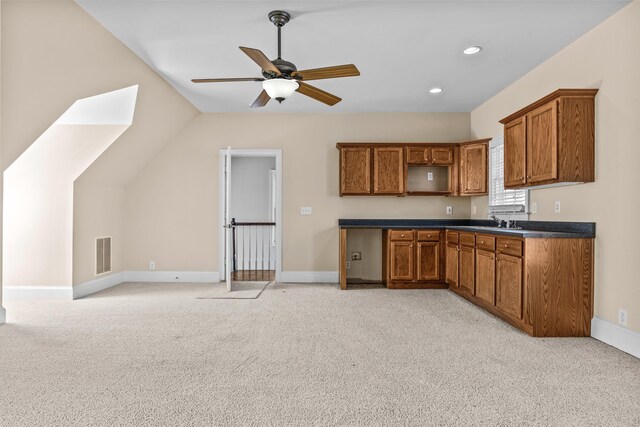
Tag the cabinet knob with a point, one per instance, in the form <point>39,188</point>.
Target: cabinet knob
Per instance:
<point>522,177</point>
<point>482,241</point>
<point>506,246</point>
<point>528,176</point>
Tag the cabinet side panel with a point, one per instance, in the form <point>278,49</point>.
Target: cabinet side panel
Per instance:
<point>559,272</point>
<point>577,139</point>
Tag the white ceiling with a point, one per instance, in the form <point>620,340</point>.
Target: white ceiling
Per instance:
<point>402,49</point>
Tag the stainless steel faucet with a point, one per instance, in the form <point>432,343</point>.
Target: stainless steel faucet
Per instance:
<point>499,221</point>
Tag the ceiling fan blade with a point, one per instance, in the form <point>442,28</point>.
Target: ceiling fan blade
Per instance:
<point>317,94</point>
<point>240,79</point>
<point>348,70</point>
<point>260,59</point>
<point>261,100</point>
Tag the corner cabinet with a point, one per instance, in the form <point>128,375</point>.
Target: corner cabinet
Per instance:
<point>474,169</point>
<point>416,169</point>
<point>551,141</point>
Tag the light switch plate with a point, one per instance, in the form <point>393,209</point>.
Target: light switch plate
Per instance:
<point>449,210</point>
<point>429,176</point>
<point>306,210</point>
<point>534,207</point>
<point>152,265</point>
<point>474,209</point>
<point>556,206</point>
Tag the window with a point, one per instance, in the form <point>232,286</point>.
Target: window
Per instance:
<point>510,204</point>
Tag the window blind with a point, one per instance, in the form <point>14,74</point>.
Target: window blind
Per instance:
<point>502,200</point>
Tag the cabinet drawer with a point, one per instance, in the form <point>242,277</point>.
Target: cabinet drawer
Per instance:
<point>428,235</point>
<point>487,243</point>
<point>509,246</point>
<point>467,239</point>
<point>401,235</point>
<point>453,237</point>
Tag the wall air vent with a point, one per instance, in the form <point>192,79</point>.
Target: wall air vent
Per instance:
<point>103,255</point>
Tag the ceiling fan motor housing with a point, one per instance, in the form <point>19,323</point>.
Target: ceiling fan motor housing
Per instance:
<point>279,17</point>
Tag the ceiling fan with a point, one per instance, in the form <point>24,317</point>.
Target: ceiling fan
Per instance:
<point>281,78</point>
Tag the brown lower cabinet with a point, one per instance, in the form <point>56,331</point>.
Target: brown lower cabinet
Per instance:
<point>543,286</point>
<point>414,259</point>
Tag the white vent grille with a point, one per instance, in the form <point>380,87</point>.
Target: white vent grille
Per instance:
<point>103,255</point>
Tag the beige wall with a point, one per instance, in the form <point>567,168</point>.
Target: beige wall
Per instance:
<point>172,206</point>
<point>607,58</point>
<point>38,203</point>
<point>54,53</point>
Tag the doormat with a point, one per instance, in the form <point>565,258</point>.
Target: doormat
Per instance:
<point>240,290</point>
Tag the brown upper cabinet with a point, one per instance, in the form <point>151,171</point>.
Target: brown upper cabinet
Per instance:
<point>455,169</point>
<point>430,155</point>
<point>355,170</point>
<point>388,170</point>
<point>473,169</point>
<point>552,140</point>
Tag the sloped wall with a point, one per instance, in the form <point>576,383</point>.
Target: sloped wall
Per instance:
<point>54,53</point>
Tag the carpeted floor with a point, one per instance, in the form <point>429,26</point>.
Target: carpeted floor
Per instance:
<point>153,354</point>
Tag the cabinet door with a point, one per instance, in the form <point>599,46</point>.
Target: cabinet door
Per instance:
<point>515,146</point>
<point>473,169</point>
<point>441,155</point>
<point>542,144</point>
<point>467,269</point>
<point>355,170</point>
<point>486,276</point>
<point>428,260</point>
<point>417,156</point>
<point>452,264</point>
<point>509,285</point>
<point>401,256</point>
<point>388,170</point>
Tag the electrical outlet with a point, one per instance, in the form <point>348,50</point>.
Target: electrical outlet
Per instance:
<point>449,210</point>
<point>534,207</point>
<point>305,210</point>
<point>429,176</point>
<point>152,265</point>
<point>348,265</point>
<point>556,206</point>
<point>622,316</point>
<point>356,256</point>
<point>474,209</point>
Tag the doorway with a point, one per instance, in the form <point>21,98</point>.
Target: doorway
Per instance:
<point>250,215</point>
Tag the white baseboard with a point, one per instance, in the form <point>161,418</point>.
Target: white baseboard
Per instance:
<point>37,292</point>
<point>105,282</point>
<point>172,276</point>
<point>97,285</point>
<point>309,277</point>
<point>3,315</point>
<point>616,336</point>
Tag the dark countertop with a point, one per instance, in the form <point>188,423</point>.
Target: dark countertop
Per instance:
<point>530,229</point>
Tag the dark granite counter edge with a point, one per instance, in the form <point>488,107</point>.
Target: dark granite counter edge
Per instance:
<point>531,229</point>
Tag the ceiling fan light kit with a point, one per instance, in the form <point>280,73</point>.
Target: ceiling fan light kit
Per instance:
<point>280,89</point>
<point>281,78</point>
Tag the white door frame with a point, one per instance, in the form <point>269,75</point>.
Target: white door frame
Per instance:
<point>242,152</point>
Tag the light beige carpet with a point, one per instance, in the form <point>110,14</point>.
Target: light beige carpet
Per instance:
<point>153,354</point>
<point>239,290</point>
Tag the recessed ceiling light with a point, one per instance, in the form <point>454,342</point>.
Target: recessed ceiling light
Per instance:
<point>472,50</point>
<point>435,90</point>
